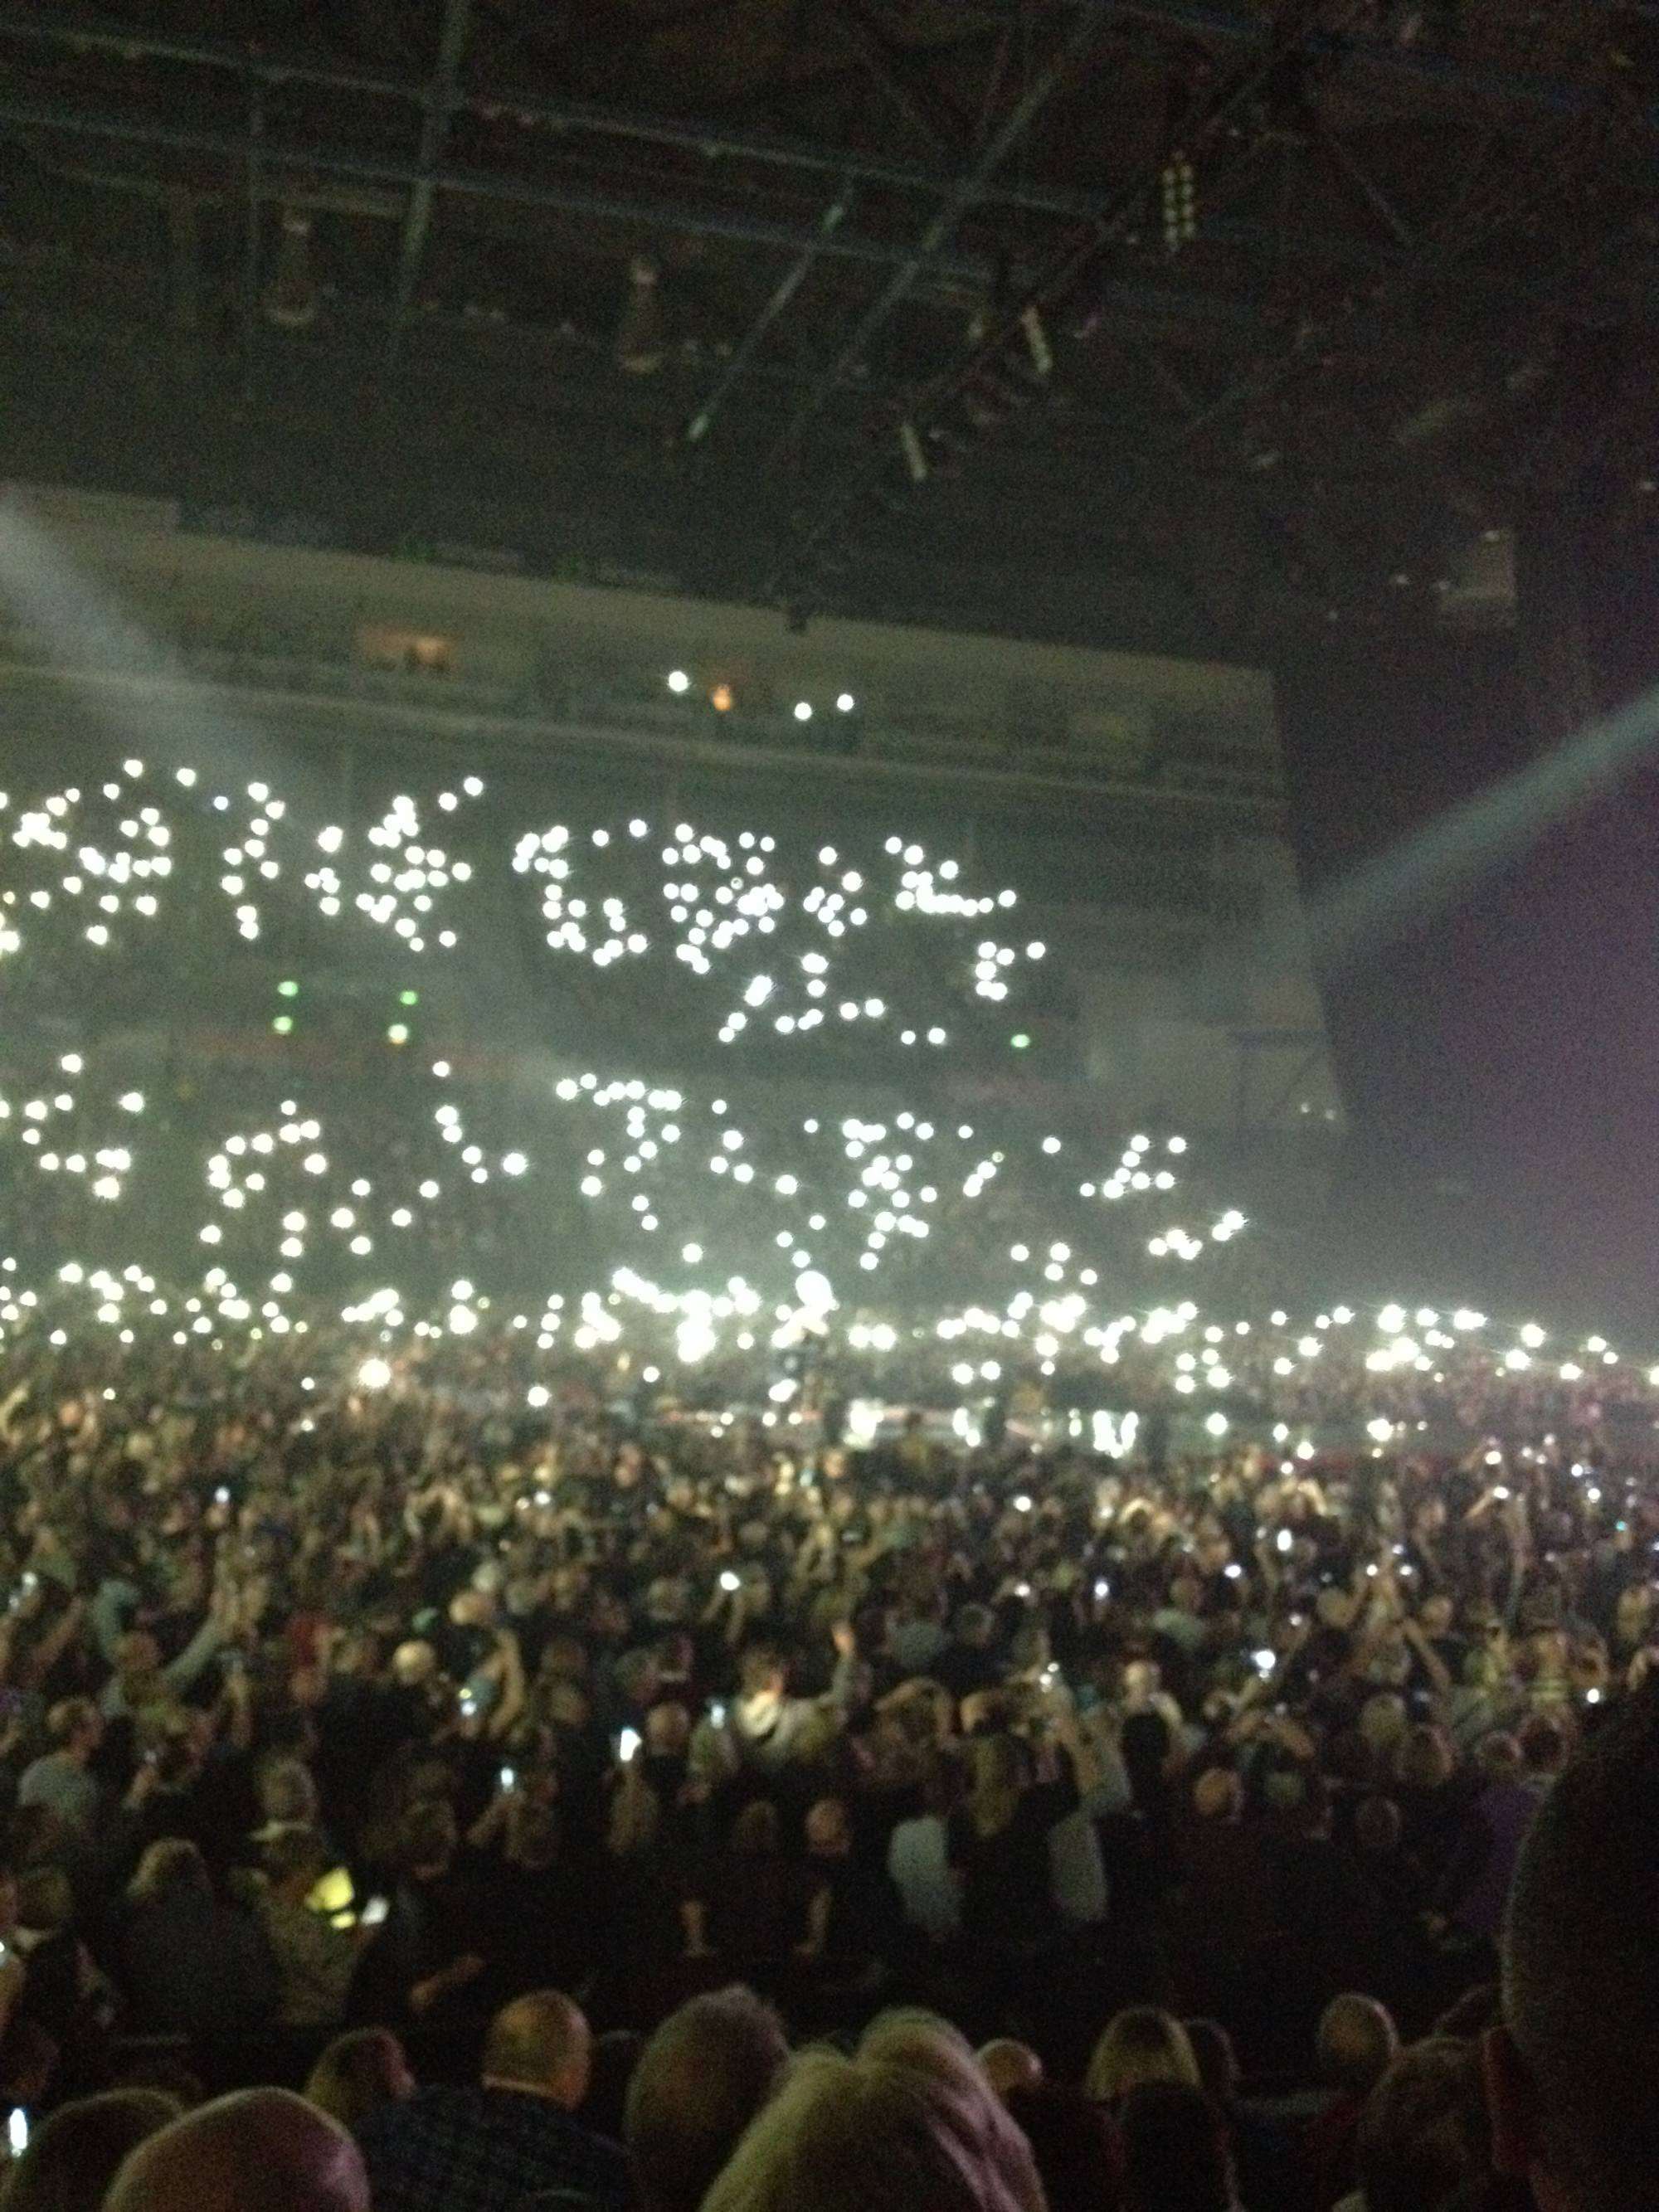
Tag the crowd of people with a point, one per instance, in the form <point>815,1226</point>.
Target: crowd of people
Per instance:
<point>572,1761</point>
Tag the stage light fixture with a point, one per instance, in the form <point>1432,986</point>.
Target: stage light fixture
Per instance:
<point>641,335</point>
<point>1036,340</point>
<point>1179,193</point>
<point>291,296</point>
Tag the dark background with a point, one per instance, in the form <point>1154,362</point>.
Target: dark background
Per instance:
<point>1498,1047</point>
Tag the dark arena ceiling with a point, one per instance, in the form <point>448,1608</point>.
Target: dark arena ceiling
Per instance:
<point>1161,326</point>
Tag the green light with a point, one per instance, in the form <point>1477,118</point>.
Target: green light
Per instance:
<point>1020,1042</point>
<point>288,989</point>
<point>409,998</point>
<point>398,1034</point>
<point>282,1024</point>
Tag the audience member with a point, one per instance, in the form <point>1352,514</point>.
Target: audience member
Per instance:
<point>1423,2135</point>
<point>474,2149</point>
<point>909,2121</point>
<point>701,2079</point>
<point>359,2073</point>
<point>258,2150</point>
<point>1572,2106</point>
<point>1175,2156</point>
<point>192,1967</point>
<point>76,2153</point>
<point>1075,2145</point>
<point>1008,2066</point>
<point>1139,2046</point>
<point>314,1960</point>
<point>1356,2044</point>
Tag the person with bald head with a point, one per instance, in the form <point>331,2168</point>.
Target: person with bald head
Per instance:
<point>261,2150</point>
<point>483,2149</point>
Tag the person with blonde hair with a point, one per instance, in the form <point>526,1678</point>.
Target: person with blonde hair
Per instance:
<point>1009,2066</point>
<point>357,2074</point>
<point>1015,1796</point>
<point>1142,2045</point>
<point>910,2120</point>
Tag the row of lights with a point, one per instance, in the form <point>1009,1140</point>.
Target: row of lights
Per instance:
<point>720,697</point>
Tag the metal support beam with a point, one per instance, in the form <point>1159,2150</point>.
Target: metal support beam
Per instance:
<point>1083,35</point>
<point>352,341</point>
<point>435,133</point>
<point>300,187</point>
<point>884,67</point>
<point>1355,50</point>
<point>253,152</point>
<point>703,421</point>
<point>1436,249</point>
<point>185,271</point>
<point>308,162</point>
<point>715,142</point>
<point>308,168</point>
<point>1372,193</point>
<point>711,141</point>
<point>1058,282</point>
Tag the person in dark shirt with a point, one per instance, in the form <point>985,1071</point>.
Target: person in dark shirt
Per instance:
<point>1175,2152</point>
<point>1000,1841</point>
<point>487,2148</point>
<point>849,1901</point>
<point>971,1660</point>
<point>743,1914</point>
<point>191,1965</point>
<point>530,1905</point>
<point>845,1916</point>
<point>423,1957</point>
